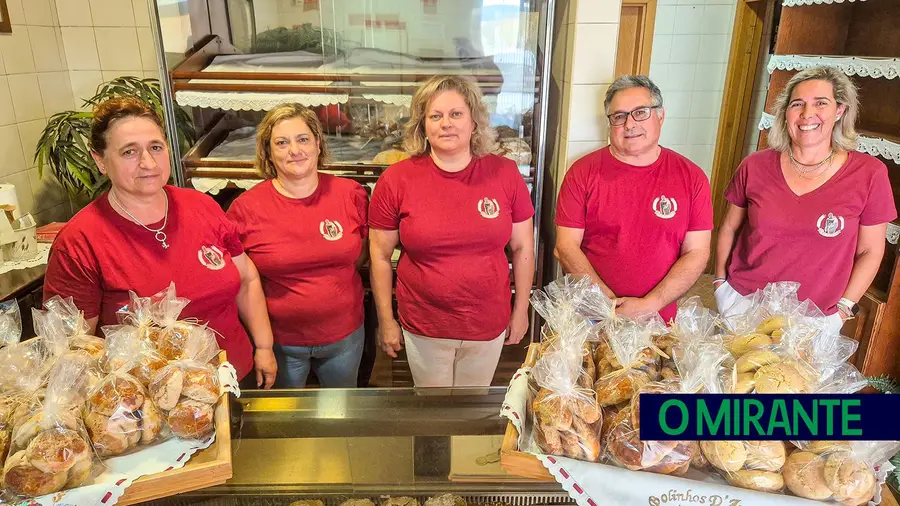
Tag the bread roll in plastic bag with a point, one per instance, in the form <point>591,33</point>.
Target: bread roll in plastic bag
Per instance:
<point>76,329</point>
<point>631,343</point>
<point>50,451</point>
<point>125,350</point>
<point>120,416</point>
<point>173,333</point>
<point>841,472</point>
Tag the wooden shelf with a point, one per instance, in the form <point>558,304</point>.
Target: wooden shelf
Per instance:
<point>857,28</point>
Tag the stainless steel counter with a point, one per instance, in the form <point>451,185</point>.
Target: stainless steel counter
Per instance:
<point>370,443</point>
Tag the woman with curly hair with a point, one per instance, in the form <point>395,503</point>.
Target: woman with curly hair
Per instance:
<point>454,208</point>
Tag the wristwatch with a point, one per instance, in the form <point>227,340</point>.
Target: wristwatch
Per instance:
<point>849,307</point>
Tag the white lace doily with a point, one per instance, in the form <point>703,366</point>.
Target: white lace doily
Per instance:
<point>253,101</point>
<point>893,233</point>
<point>886,68</point>
<point>874,146</point>
<point>795,3</point>
<point>40,259</point>
<point>213,185</point>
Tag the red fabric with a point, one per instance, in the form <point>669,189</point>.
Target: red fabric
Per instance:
<point>627,243</point>
<point>99,256</point>
<point>313,291</point>
<point>781,239</point>
<point>453,276</point>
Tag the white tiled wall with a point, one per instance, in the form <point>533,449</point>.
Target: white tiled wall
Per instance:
<point>57,54</point>
<point>689,59</point>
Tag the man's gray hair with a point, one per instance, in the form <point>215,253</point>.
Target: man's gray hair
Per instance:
<point>629,81</point>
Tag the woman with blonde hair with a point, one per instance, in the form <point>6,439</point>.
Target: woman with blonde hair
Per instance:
<point>454,208</point>
<point>306,232</point>
<point>809,209</point>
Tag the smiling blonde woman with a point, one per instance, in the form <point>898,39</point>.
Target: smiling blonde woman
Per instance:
<point>306,232</point>
<point>810,208</point>
<point>454,208</point>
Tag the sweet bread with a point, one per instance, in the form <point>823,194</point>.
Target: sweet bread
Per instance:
<point>820,447</point>
<point>550,410</point>
<point>173,341</point>
<point>804,475</point>
<point>201,384</point>
<point>745,383</point>
<point>116,392</point>
<point>698,461</point>
<point>619,387</point>
<point>588,438</point>
<point>848,478</point>
<point>191,419</point>
<point>79,473</point>
<point>571,445</point>
<point>22,478</point>
<point>764,481</point>
<point>765,455</point>
<point>113,435</point>
<point>770,325</point>
<point>676,462</point>
<point>780,378</point>
<point>725,455</point>
<point>754,359</point>
<point>550,440</point>
<point>56,450</point>
<point>150,362</point>
<point>151,422</point>
<point>166,387</point>
<point>741,345</point>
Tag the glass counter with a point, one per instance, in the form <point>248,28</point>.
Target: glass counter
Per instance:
<point>334,445</point>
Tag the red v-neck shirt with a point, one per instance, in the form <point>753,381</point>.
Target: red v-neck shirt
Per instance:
<point>810,239</point>
<point>99,256</point>
<point>453,275</point>
<point>634,218</point>
<point>313,291</point>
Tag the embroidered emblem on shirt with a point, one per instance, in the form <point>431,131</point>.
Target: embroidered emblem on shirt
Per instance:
<point>830,225</point>
<point>488,208</point>
<point>211,257</point>
<point>665,207</point>
<point>331,230</point>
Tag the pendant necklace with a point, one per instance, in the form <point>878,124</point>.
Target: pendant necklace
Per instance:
<point>158,233</point>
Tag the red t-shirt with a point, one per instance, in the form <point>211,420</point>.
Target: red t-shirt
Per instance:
<point>99,256</point>
<point>809,239</point>
<point>634,218</point>
<point>306,251</point>
<point>453,275</point>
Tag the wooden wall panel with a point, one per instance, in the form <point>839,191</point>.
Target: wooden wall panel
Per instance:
<point>873,29</point>
<point>813,29</point>
<point>635,37</point>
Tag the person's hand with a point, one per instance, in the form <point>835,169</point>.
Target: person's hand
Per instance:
<point>518,325</point>
<point>266,367</point>
<point>634,307</point>
<point>390,337</point>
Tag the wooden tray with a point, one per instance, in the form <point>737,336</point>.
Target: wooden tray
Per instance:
<point>511,459</point>
<point>206,468</point>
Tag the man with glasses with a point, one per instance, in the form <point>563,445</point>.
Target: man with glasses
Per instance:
<point>634,216</point>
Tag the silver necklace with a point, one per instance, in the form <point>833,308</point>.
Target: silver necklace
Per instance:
<point>803,171</point>
<point>159,234</point>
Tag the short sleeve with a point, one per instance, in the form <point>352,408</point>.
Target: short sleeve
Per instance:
<point>880,207</point>
<point>701,203</point>
<point>736,193</point>
<point>238,217</point>
<point>384,210</point>
<point>229,232</point>
<point>361,204</point>
<point>76,276</point>
<point>519,200</point>
<point>571,205</point>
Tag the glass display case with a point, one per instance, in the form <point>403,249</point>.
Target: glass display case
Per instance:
<point>357,63</point>
<point>335,445</point>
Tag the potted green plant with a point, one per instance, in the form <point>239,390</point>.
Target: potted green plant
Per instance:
<point>64,144</point>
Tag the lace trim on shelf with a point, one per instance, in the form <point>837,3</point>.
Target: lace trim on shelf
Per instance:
<point>250,101</point>
<point>795,3</point>
<point>213,186</point>
<point>893,233</point>
<point>879,68</point>
<point>875,146</point>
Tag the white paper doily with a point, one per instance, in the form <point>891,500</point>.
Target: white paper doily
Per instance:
<point>880,68</point>
<point>875,146</point>
<point>213,185</point>
<point>254,101</point>
<point>514,403</point>
<point>795,3</point>
<point>41,259</point>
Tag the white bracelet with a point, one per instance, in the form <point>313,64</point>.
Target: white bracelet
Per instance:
<point>846,302</point>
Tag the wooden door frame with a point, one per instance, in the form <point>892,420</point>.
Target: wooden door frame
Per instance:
<point>743,69</point>
<point>648,23</point>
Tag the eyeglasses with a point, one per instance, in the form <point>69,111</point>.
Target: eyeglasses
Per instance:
<point>639,114</point>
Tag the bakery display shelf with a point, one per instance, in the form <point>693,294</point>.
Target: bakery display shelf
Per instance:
<point>798,3</point>
<point>870,141</point>
<point>206,468</point>
<point>861,66</point>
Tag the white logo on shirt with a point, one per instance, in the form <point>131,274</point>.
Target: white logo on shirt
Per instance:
<point>830,225</point>
<point>211,257</point>
<point>488,208</point>
<point>331,230</point>
<point>665,207</point>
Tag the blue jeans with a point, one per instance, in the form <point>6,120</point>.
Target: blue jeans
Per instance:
<point>336,364</point>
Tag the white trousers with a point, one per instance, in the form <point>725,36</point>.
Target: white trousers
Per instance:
<point>452,362</point>
<point>731,303</point>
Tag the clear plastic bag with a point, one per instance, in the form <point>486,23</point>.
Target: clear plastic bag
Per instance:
<point>127,351</point>
<point>50,450</point>
<point>120,416</point>
<point>10,323</point>
<point>172,334</point>
<point>837,471</point>
<point>630,346</point>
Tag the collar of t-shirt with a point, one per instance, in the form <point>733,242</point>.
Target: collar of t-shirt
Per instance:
<point>427,161</point>
<point>619,164</point>
<point>308,200</point>
<point>107,209</point>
